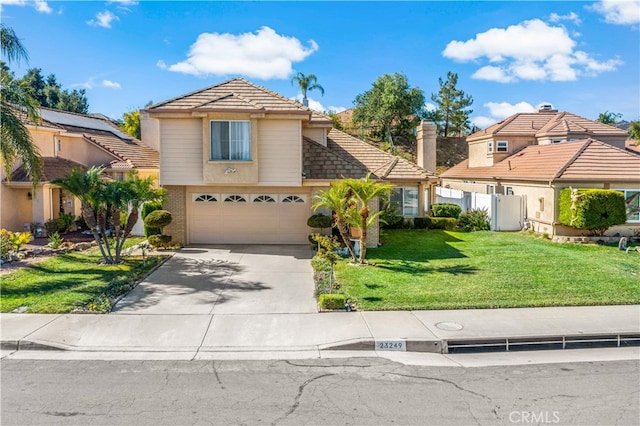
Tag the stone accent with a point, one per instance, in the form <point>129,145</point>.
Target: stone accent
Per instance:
<point>176,204</point>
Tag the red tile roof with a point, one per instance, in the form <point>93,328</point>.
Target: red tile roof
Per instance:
<point>586,160</point>
<point>53,168</point>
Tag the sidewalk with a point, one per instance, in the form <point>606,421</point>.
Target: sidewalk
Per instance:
<point>413,331</point>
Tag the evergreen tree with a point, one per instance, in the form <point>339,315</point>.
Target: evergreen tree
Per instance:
<point>452,114</point>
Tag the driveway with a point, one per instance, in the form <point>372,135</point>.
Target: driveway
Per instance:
<point>235,279</point>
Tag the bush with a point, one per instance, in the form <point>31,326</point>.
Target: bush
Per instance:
<point>594,209</point>
<point>65,222</point>
<point>421,222</point>
<point>474,220</point>
<point>53,225</point>
<point>5,242</point>
<point>159,240</point>
<point>447,223</point>
<point>81,224</point>
<point>146,209</point>
<point>158,219</point>
<point>19,239</point>
<point>446,210</point>
<point>320,221</point>
<point>55,240</point>
<point>332,301</point>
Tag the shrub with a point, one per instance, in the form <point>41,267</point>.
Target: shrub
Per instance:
<point>159,240</point>
<point>81,224</point>
<point>447,223</point>
<point>65,221</point>
<point>52,226</point>
<point>19,239</point>
<point>158,219</point>
<point>320,220</point>
<point>55,240</point>
<point>146,209</point>
<point>332,301</point>
<point>593,209</point>
<point>446,210</point>
<point>421,222</point>
<point>474,220</point>
<point>5,242</point>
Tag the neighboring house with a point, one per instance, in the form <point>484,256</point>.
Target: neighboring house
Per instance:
<point>241,164</point>
<point>66,140</point>
<point>535,155</point>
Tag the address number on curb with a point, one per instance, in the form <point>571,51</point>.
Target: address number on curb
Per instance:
<point>391,345</point>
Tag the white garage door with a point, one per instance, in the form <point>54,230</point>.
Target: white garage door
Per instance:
<point>237,218</point>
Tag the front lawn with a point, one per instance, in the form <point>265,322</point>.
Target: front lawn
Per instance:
<point>69,281</point>
<point>432,269</point>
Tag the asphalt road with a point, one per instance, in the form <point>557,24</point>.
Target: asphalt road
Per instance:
<point>319,392</point>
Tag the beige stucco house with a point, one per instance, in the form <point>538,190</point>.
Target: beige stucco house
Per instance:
<point>241,164</point>
<point>535,155</point>
<point>66,140</point>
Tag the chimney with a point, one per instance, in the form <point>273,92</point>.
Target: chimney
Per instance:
<point>426,143</point>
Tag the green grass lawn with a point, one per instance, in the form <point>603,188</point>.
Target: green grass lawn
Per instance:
<point>432,269</point>
<point>68,281</point>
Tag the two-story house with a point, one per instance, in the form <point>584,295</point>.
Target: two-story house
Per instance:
<point>241,164</point>
<point>535,155</point>
<point>66,140</point>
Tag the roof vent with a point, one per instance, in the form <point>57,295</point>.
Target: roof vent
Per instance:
<point>546,108</point>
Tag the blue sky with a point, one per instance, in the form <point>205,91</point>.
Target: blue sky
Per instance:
<point>582,57</point>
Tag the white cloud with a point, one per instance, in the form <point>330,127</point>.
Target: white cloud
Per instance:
<point>571,16</point>
<point>431,107</point>
<point>619,12</point>
<point>110,84</point>
<point>531,50</point>
<point>124,2</point>
<point>264,54</point>
<point>103,19</point>
<point>40,5</point>
<point>499,111</point>
<point>161,64</point>
<point>89,84</point>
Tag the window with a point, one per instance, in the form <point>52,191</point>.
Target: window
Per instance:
<point>405,201</point>
<point>632,200</point>
<point>491,188</point>
<point>502,146</point>
<point>263,199</point>
<point>292,199</point>
<point>230,140</point>
<point>235,199</point>
<point>205,198</point>
<point>509,190</point>
<point>490,146</point>
<point>556,140</point>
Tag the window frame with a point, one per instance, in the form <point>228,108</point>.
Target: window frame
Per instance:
<point>405,205</point>
<point>504,148</point>
<point>230,139</point>
<point>624,192</point>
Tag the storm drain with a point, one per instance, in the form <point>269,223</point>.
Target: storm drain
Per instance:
<point>543,343</point>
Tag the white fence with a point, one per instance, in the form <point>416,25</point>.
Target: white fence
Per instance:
<point>506,212</point>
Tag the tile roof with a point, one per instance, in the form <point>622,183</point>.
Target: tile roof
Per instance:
<point>237,95</point>
<point>633,146</point>
<point>538,124</point>
<point>53,168</point>
<point>132,153</point>
<point>378,162</point>
<point>320,162</point>
<point>585,160</point>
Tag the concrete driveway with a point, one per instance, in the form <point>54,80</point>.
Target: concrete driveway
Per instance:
<point>238,279</point>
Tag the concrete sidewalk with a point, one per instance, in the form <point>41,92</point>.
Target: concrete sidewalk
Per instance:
<point>416,331</point>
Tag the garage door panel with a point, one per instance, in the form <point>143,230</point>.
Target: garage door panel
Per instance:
<point>248,223</point>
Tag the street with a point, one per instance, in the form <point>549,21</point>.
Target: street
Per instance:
<point>318,392</point>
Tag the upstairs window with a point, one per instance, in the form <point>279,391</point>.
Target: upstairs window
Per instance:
<point>502,146</point>
<point>230,141</point>
<point>490,146</point>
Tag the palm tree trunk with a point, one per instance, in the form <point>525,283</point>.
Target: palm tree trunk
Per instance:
<point>342,227</point>
<point>90,219</point>
<point>131,222</point>
<point>115,219</point>
<point>102,224</point>
<point>363,241</point>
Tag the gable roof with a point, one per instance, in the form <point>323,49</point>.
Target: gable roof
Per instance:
<point>320,162</point>
<point>379,163</point>
<point>544,123</point>
<point>237,95</point>
<point>585,160</point>
<point>52,168</point>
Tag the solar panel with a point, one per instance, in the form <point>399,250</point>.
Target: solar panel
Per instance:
<point>65,119</point>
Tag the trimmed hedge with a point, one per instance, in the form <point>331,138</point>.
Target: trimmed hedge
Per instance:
<point>320,220</point>
<point>146,209</point>
<point>332,301</point>
<point>593,209</point>
<point>421,222</point>
<point>446,210</point>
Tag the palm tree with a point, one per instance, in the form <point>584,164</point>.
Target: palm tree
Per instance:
<point>306,83</point>
<point>338,199</point>
<point>16,102</point>
<point>364,191</point>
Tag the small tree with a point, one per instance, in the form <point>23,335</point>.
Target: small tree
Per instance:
<point>337,199</point>
<point>610,118</point>
<point>593,209</point>
<point>158,219</point>
<point>452,114</point>
<point>306,83</point>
